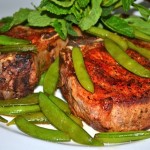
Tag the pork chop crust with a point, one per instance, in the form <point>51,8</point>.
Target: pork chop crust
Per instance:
<point>121,100</point>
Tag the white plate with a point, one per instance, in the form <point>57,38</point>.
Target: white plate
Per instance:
<point>12,138</point>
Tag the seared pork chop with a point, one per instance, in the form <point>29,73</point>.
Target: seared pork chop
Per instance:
<point>121,100</point>
<point>20,72</point>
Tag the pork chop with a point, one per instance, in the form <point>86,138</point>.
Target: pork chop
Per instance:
<point>20,72</point>
<point>121,99</point>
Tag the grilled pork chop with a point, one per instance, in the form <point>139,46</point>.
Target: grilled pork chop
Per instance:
<point>19,72</point>
<point>121,100</point>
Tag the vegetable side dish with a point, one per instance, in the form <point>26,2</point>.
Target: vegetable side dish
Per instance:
<point>97,57</point>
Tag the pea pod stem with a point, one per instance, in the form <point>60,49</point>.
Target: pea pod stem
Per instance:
<point>40,132</point>
<point>80,70</point>
<point>7,40</point>
<point>3,120</point>
<point>62,122</point>
<point>124,60</point>
<point>121,137</point>
<point>100,32</point>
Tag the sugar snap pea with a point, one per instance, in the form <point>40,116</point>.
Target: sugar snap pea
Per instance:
<point>124,60</point>
<point>107,34</point>
<point>35,117</point>
<point>143,51</point>
<point>60,103</point>
<point>40,132</point>
<point>18,48</point>
<point>141,36</point>
<point>7,40</point>
<point>62,122</point>
<point>120,137</point>
<point>17,110</point>
<point>31,99</point>
<point>80,70</point>
<point>3,120</point>
<point>51,77</point>
<point>65,108</point>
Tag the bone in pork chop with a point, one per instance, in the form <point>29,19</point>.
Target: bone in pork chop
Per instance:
<point>121,100</point>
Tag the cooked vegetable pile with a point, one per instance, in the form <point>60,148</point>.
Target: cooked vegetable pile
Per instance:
<point>96,17</point>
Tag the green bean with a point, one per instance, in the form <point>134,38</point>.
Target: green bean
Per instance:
<point>51,77</point>
<point>60,103</point>
<point>120,137</point>
<point>18,110</point>
<point>141,36</point>
<point>35,117</point>
<point>3,120</point>
<point>62,122</point>
<point>40,132</point>
<point>107,34</point>
<point>31,99</point>
<point>80,70</point>
<point>143,51</point>
<point>124,60</point>
<point>18,48</point>
<point>7,40</point>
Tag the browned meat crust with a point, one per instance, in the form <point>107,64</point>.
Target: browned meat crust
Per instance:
<point>19,72</point>
<point>121,101</point>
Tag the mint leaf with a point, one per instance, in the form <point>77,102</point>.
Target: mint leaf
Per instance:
<point>92,17</point>
<point>107,3</point>
<point>118,25</point>
<point>35,18</point>
<point>83,3</point>
<point>60,28</point>
<point>145,12</point>
<point>18,18</point>
<point>65,3</point>
<point>51,7</point>
<point>126,4</point>
<point>139,24</point>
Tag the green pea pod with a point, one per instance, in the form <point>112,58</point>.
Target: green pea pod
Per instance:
<point>80,70</point>
<point>124,60</point>
<point>107,34</point>
<point>143,51</point>
<point>18,48</point>
<point>40,132</point>
<point>60,103</point>
<point>62,122</point>
<point>18,110</point>
<point>7,40</point>
<point>31,99</point>
<point>3,120</point>
<point>141,36</point>
<point>65,108</point>
<point>35,117</point>
<point>42,78</point>
<point>121,137</point>
<point>51,77</point>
